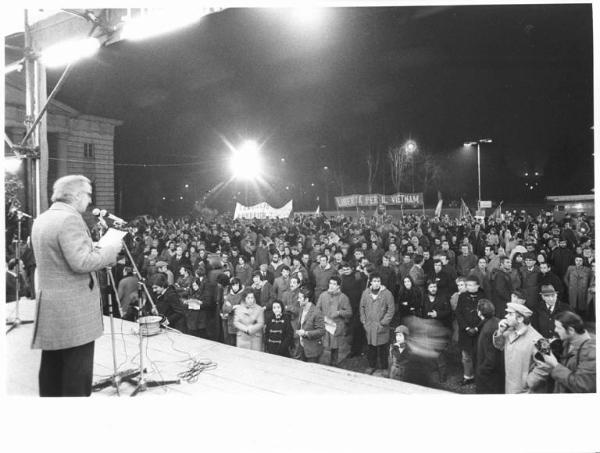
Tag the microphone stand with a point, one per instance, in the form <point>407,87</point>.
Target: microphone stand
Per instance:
<point>141,383</point>
<point>116,378</point>
<point>17,321</point>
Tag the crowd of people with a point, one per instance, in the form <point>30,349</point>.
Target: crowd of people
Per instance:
<point>514,296</point>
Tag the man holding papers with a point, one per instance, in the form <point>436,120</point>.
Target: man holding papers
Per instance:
<point>69,311</point>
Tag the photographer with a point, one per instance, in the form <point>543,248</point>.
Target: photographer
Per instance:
<point>576,371</point>
<point>517,338</point>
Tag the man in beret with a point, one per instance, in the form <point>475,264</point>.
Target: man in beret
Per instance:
<point>516,337</point>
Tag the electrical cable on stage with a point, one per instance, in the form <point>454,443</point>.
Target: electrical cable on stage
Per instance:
<point>196,367</point>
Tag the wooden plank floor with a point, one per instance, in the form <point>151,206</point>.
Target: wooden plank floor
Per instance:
<point>237,372</point>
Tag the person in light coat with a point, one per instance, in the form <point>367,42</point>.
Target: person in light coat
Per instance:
<point>376,313</point>
<point>68,308</point>
<point>249,321</point>
<point>577,279</point>
<point>516,337</point>
<point>336,310</point>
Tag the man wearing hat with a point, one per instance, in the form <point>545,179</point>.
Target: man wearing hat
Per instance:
<point>530,275</point>
<point>162,267</point>
<point>516,337</point>
<point>546,311</point>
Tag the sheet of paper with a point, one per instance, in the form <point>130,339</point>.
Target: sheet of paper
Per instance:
<point>112,236</point>
<point>330,326</point>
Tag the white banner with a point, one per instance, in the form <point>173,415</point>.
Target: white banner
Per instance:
<point>262,211</point>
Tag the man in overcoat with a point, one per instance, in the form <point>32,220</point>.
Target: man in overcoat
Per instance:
<point>376,312</point>
<point>68,307</point>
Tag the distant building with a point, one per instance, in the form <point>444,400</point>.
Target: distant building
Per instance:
<point>77,143</point>
<point>573,204</point>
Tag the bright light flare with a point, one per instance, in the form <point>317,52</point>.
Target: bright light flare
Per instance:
<point>410,146</point>
<point>67,52</point>
<point>158,22</point>
<point>12,164</point>
<point>245,161</point>
<point>308,16</point>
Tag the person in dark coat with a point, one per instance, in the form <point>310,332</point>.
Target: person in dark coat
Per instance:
<point>353,284</point>
<point>438,310</point>
<point>489,369</point>
<point>530,275</point>
<point>168,304</point>
<point>546,311</point>
<point>502,286</point>
<point>468,326</point>
<point>408,301</point>
<point>279,334</point>
<point>561,258</point>
<point>204,322</point>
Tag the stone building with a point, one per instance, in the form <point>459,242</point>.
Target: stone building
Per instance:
<point>77,143</point>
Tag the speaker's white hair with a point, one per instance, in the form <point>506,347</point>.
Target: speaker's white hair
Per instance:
<point>66,188</point>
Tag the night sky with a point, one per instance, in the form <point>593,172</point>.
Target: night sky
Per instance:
<point>321,94</point>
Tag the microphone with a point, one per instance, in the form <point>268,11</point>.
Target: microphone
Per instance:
<point>21,214</point>
<point>104,213</point>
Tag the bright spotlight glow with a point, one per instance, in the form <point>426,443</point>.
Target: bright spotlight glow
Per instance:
<point>410,146</point>
<point>17,66</point>
<point>245,161</point>
<point>12,164</point>
<point>307,15</point>
<point>67,52</point>
<point>158,22</point>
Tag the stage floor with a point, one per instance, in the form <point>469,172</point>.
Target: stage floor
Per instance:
<point>238,371</point>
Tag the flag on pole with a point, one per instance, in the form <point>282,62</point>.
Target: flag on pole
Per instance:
<point>464,210</point>
<point>438,208</point>
<point>497,214</point>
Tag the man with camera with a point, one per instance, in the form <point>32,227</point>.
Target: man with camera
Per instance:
<point>517,338</point>
<point>576,371</point>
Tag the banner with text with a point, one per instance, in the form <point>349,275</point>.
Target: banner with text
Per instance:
<point>262,211</point>
<point>400,199</point>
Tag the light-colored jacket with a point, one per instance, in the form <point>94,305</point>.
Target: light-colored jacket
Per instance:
<point>523,374</point>
<point>68,312</point>
<point>253,319</point>
<point>376,314</point>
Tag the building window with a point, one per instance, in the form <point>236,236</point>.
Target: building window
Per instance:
<point>88,150</point>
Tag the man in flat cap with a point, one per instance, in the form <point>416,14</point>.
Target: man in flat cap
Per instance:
<point>530,275</point>
<point>516,337</point>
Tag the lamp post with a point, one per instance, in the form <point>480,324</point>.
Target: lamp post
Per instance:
<point>410,147</point>
<point>478,143</point>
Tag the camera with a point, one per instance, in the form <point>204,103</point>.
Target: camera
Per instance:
<point>543,346</point>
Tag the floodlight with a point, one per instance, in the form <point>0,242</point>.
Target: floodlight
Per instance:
<point>67,52</point>
<point>161,21</point>
<point>245,161</point>
<point>12,164</point>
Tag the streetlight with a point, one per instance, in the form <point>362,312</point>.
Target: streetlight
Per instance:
<point>478,143</point>
<point>410,147</point>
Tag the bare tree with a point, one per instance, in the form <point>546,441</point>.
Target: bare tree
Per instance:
<point>399,163</point>
<point>432,172</point>
<point>373,159</point>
